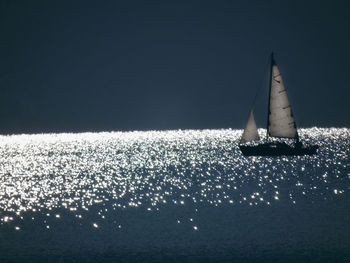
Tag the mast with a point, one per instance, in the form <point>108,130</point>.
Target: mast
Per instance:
<point>268,104</point>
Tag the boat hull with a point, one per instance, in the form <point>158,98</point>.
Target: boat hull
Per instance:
<point>270,149</point>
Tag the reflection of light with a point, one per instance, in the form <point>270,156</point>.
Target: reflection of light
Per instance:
<point>130,170</point>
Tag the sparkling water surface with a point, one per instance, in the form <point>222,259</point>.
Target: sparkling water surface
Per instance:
<point>170,196</point>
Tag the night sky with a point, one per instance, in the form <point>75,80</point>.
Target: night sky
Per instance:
<point>74,66</point>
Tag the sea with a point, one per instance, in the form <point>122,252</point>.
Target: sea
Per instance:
<point>172,196</point>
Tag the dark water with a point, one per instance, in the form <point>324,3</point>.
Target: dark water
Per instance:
<point>172,196</point>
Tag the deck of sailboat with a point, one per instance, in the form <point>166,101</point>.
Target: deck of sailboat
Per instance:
<point>276,149</point>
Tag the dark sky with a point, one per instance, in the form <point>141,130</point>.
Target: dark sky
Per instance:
<point>142,65</point>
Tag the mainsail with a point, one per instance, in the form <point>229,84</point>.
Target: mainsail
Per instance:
<point>280,117</point>
<point>250,131</point>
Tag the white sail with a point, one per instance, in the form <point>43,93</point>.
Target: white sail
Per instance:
<point>250,132</point>
<point>281,121</point>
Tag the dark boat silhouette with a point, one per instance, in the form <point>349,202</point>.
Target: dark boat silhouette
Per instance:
<point>280,124</point>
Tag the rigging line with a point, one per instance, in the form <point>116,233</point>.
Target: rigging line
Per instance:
<point>262,84</point>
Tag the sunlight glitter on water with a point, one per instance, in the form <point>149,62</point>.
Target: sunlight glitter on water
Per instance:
<point>148,170</point>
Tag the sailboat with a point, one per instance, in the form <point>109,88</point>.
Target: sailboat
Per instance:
<point>280,124</point>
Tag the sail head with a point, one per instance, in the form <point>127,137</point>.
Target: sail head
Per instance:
<point>281,122</point>
<point>250,132</point>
